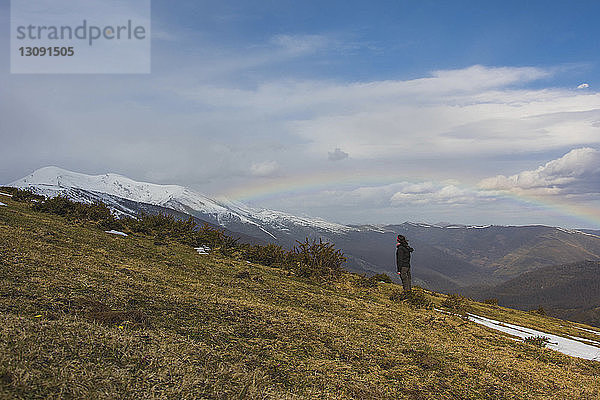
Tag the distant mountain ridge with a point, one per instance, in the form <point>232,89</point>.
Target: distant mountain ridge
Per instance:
<point>505,252</point>
<point>570,291</point>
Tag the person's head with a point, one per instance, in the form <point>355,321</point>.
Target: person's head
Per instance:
<point>402,239</point>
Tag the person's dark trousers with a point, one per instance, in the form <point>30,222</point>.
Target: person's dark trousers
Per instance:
<point>405,276</point>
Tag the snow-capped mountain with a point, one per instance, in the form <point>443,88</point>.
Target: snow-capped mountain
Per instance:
<point>52,181</point>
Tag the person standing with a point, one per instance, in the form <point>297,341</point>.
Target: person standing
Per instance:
<point>403,251</point>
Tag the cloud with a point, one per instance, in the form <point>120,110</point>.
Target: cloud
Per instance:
<point>337,155</point>
<point>403,194</point>
<point>575,173</point>
<point>583,86</point>
<point>471,111</point>
<point>177,120</point>
<point>264,169</point>
<point>300,44</point>
<point>426,193</point>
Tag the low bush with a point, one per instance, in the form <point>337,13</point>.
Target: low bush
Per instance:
<point>415,298</point>
<point>314,259</point>
<point>382,278</point>
<point>365,282</point>
<point>371,281</point>
<point>538,341</point>
<point>163,226</point>
<point>539,311</point>
<point>454,302</point>
<point>23,195</point>
<point>214,238</point>
<point>269,255</point>
<point>61,205</point>
<point>317,260</point>
<point>8,190</point>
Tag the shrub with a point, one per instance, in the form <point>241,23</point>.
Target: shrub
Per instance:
<point>317,260</point>
<point>492,301</point>
<point>215,238</point>
<point>366,282</point>
<point>415,298</point>
<point>163,226</point>
<point>61,205</point>
<point>454,302</point>
<point>8,190</point>
<point>24,195</point>
<point>382,278</point>
<point>539,311</point>
<point>538,341</point>
<point>269,255</point>
<point>371,281</point>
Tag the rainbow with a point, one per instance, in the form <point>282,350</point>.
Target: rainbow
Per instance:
<point>586,214</point>
<point>315,182</point>
<point>340,180</point>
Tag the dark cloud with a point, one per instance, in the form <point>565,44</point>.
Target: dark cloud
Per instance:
<point>337,155</point>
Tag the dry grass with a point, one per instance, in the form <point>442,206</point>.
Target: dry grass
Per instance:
<point>89,315</point>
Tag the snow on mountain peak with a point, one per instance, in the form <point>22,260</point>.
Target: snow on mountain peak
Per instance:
<point>110,183</point>
<point>54,180</point>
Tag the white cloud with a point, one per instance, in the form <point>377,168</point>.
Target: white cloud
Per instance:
<point>405,194</point>
<point>474,113</point>
<point>431,193</point>
<point>264,169</point>
<point>471,111</point>
<point>577,172</point>
<point>300,44</point>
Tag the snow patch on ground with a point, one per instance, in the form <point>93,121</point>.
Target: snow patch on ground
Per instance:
<point>570,346</point>
<point>589,341</point>
<point>2,204</point>
<point>588,330</point>
<point>113,232</point>
<point>5,194</point>
<point>202,249</point>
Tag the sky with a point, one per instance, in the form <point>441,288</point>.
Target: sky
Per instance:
<point>357,112</point>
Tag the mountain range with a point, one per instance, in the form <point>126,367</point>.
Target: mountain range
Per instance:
<point>448,257</point>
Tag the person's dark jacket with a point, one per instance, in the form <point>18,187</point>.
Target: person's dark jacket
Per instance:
<point>403,256</point>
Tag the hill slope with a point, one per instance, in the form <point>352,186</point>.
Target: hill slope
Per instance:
<point>91,315</point>
<point>570,291</point>
<point>447,257</point>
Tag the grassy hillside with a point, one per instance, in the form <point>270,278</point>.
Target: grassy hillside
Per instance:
<point>86,314</point>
